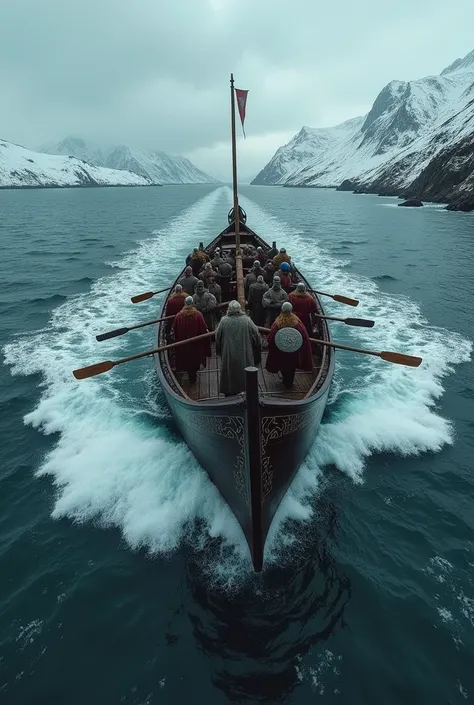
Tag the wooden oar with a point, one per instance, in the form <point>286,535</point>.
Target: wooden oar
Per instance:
<point>100,367</point>
<point>397,358</point>
<point>147,295</point>
<point>121,331</point>
<point>361,322</point>
<point>337,297</point>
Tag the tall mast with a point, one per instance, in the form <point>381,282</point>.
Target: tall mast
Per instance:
<point>239,271</point>
<point>234,163</point>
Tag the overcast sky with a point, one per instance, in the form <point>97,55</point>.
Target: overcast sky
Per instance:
<point>155,73</point>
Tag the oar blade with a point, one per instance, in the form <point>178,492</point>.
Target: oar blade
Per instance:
<point>361,322</point>
<point>345,300</point>
<point>111,334</point>
<point>93,370</point>
<point>400,359</point>
<point>142,297</point>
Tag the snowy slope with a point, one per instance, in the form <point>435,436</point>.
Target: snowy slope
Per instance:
<point>409,126</point>
<point>76,147</point>
<point>309,144</point>
<point>159,167</point>
<point>20,167</point>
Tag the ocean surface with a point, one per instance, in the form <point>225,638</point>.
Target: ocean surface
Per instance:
<point>123,576</point>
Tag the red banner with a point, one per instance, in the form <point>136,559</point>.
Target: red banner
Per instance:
<point>241,104</point>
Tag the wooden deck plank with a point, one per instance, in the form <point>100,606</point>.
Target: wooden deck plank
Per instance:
<point>213,364</point>
<point>271,385</point>
<point>203,382</point>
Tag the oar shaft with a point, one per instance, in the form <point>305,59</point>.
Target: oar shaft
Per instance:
<point>146,353</point>
<point>361,322</point>
<point>166,318</point>
<point>149,323</point>
<point>328,318</point>
<point>122,331</point>
<point>337,346</point>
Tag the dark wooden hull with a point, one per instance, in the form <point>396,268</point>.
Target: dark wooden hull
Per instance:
<point>251,461</point>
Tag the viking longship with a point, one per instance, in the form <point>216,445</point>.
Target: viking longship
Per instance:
<point>252,443</point>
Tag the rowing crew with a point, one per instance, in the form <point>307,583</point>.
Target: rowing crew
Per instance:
<point>239,344</point>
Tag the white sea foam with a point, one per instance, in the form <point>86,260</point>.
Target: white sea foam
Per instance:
<point>376,406</point>
<point>115,460</point>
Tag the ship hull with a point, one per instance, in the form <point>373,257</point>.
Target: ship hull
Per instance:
<point>250,445</point>
<point>220,438</point>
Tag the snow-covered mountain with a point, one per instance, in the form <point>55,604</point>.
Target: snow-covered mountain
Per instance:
<point>417,140</point>
<point>159,167</point>
<point>20,167</point>
<point>309,144</point>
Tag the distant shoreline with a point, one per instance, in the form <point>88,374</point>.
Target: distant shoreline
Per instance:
<point>454,206</point>
<point>30,187</point>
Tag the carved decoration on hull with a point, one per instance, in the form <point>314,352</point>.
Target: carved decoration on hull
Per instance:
<point>273,428</point>
<point>231,427</point>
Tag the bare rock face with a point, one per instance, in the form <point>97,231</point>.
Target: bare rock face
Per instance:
<point>464,206</point>
<point>411,203</point>
<point>348,185</point>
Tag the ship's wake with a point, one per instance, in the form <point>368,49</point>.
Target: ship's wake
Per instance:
<point>117,461</point>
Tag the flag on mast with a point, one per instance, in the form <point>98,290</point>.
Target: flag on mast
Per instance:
<point>241,104</point>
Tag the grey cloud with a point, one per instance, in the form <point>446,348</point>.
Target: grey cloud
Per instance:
<point>154,73</point>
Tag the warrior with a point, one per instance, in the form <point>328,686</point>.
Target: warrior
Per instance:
<point>206,273</point>
<point>173,306</point>
<point>269,272</point>
<point>289,346</point>
<point>189,281</point>
<point>225,277</point>
<point>261,256</point>
<point>205,303</point>
<point>273,251</point>
<point>188,323</point>
<point>239,344</point>
<point>251,277</point>
<point>197,261</point>
<point>285,277</point>
<point>281,257</point>
<point>214,289</point>
<point>256,292</point>
<point>217,259</point>
<point>304,306</point>
<point>273,299</point>
<point>247,258</point>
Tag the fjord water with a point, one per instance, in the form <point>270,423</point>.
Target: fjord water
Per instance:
<point>124,577</point>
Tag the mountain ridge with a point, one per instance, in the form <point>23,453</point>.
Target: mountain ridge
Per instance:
<point>23,168</point>
<point>390,149</point>
<point>160,167</point>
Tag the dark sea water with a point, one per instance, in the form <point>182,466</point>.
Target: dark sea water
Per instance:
<point>123,576</point>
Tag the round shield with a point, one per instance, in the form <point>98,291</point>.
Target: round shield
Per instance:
<point>288,340</point>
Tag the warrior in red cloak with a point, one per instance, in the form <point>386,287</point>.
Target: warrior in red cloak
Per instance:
<point>286,362</point>
<point>304,306</point>
<point>188,323</point>
<point>173,306</point>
